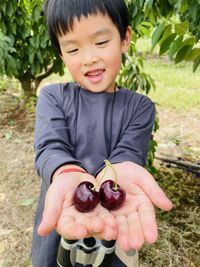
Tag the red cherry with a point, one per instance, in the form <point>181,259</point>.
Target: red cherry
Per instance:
<point>112,196</point>
<point>85,198</point>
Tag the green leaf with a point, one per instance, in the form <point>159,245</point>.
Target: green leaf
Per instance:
<point>9,9</point>
<point>31,57</point>
<point>148,5</point>
<point>144,28</point>
<point>3,6</point>
<point>176,45</point>
<point>8,135</point>
<point>11,65</point>
<point>157,34</point>
<point>194,53</point>
<point>182,53</point>
<point>189,41</point>
<point>181,28</point>
<point>196,64</point>
<point>167,31</point>
<point>36,13</point>
<point>166,44</point>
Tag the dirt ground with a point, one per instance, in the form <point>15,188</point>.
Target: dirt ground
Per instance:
<point>19,185</point>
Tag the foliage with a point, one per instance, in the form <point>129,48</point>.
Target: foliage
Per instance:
<point>31,57</point>
<point>27,55</point>
<point>174,25</point>
<point>5,50</point>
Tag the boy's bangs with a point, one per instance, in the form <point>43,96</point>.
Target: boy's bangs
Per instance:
<point>60,15</point>
<point>62,18</point>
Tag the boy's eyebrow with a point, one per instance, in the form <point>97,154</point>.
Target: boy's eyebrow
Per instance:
<point>102,31</point>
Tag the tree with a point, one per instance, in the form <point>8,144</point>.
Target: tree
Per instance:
<point>173,25</point>
<point>29,56</point>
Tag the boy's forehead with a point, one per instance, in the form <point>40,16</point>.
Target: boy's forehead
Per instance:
<point>95,19</point>
<point>92,25</point>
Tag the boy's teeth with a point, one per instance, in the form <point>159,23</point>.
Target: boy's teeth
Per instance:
<point>94,73</point>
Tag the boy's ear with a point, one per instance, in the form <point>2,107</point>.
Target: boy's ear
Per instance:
<point>127,40</point>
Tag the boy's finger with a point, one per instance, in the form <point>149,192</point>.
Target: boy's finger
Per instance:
<point>135,233</point>
<point>122,236</point>
<point>107,217</point>
<point>71,230</point>
<point>93,224</point>
<point>154,192</point>
<point>148,221</point>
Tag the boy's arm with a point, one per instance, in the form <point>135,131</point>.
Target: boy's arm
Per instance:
<point>136,221</point>
<point>135,136</point>
<point>52,145</point>
<point>53,154</point>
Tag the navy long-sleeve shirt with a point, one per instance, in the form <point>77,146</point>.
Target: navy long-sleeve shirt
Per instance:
<point>76,126</point>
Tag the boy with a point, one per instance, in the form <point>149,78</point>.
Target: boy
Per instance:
<point>80,124</point>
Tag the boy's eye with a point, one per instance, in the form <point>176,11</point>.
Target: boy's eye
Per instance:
<point>72,51</point>
<point>102,43</point>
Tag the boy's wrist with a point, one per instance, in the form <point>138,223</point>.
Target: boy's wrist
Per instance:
<point>67,169</point>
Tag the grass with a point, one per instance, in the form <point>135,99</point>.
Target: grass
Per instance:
<point>179,230</point>
<point>177,86</point>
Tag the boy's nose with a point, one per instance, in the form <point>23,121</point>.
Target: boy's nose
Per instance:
<point>89,58</point>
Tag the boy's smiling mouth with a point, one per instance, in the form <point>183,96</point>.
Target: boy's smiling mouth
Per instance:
<point>95,75</point>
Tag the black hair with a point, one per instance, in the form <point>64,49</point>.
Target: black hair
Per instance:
<point>60,15</point>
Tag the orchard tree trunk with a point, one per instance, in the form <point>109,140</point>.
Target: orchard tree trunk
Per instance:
<point>28,87</point>
<point>30,83</point>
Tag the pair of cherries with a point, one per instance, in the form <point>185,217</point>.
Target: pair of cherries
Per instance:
<point>111,195</point>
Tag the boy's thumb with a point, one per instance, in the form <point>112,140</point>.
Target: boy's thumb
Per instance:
<point>51,213</point>
<point>47,224</point>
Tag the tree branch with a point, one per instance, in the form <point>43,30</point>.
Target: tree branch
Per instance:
<point>42,76</point>
<point>195,168</point>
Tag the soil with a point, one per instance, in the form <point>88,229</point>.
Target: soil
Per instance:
<point>178,136</point>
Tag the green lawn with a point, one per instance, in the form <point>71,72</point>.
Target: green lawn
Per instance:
<point>176,85</point>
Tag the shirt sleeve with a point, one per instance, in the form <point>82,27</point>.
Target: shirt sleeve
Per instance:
<point>135,137</point>
<point>52,140</point>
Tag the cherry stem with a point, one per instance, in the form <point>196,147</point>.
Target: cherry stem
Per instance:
<point>108,164</point>
<point>104,173</point>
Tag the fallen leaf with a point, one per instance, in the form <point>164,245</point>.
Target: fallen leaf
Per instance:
<point>27,202</point>
<point>8,135</point>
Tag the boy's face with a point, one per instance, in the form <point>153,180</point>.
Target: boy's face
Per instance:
<point>92,52</point>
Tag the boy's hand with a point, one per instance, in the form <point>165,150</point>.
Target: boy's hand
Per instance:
<point>60,213</point>
<point>136,220</point>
